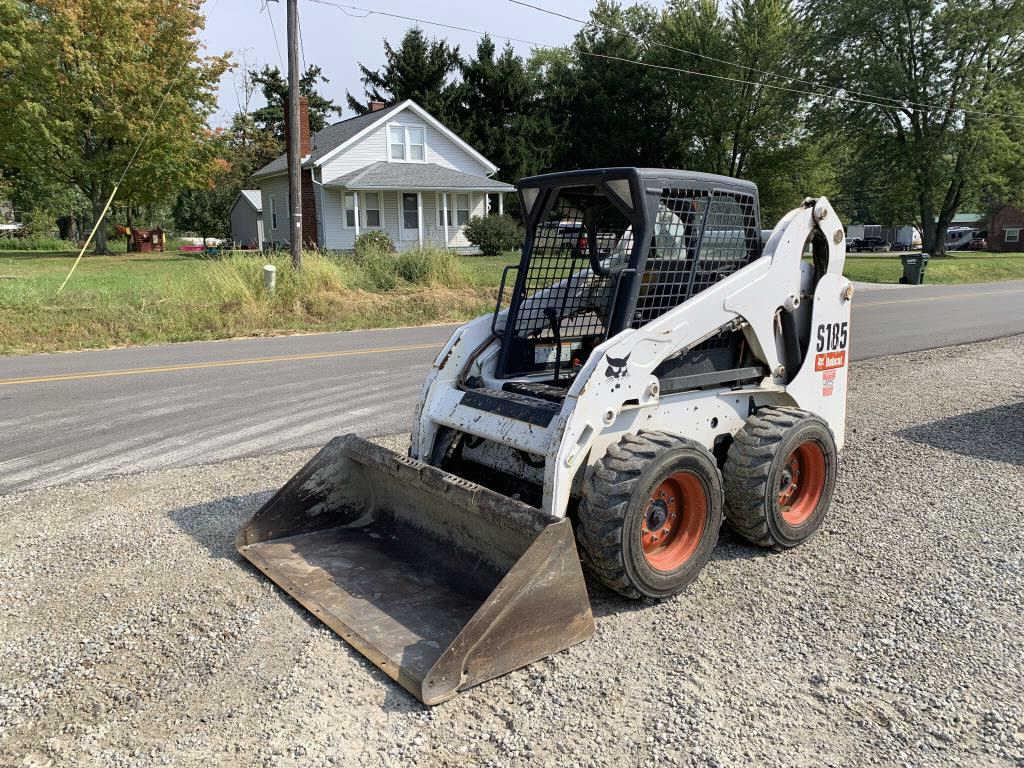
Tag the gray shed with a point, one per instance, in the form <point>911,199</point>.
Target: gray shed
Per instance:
<point>247,219</point>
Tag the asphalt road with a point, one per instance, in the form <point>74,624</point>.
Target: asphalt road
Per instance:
<point>82,415</point>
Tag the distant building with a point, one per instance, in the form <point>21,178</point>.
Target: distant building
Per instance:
<point>1004,231</point>
<point>396,169</point>
<point>247,219</point>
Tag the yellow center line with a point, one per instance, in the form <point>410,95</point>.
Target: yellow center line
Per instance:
<point>943,297</point>
<point>215,364</point>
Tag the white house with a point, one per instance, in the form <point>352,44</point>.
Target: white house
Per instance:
<point>247,219</point>
<point>396,169</point>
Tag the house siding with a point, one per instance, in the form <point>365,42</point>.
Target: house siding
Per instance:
<point>374,147</point>
<point>275,188</point>
<point>1006,217</point>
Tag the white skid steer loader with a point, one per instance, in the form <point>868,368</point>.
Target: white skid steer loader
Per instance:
<point>657,367</point>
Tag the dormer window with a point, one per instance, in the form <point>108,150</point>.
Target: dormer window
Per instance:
<point>407,142</point>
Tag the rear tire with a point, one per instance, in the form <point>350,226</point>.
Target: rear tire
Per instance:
<point>650,515</point>
<point>780,474</point>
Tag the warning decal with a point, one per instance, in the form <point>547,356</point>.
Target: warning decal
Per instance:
<point>828,383</point>
<point>826,361</point>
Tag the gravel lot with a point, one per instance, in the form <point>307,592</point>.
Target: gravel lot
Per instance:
<point>132,634</point>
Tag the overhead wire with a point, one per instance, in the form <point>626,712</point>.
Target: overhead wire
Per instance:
<point>835,90</point>
<point>839,94</point>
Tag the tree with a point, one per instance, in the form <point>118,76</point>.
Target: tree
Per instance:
<point>270,118</point>
<point>86,87</point>
<point>498,111</point>
<point>738,123</point>
<point>606,111</point>
<point>419,69</point>
<point>939,83</point>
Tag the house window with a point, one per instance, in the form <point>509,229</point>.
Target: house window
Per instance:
<point>1011,235</point>
<point>441,198</point>
<point>462,210</point>
<point>397,138</point>
<point>273,213</point>
<point>417,147</point>
<point>350,210</point>
<point>407,142</point>
<point>371,209</point>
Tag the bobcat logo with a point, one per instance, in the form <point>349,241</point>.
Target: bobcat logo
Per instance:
<point>616,367</point>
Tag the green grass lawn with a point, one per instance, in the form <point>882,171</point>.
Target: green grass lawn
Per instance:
<point>964,267</point>
<point>151,298</point>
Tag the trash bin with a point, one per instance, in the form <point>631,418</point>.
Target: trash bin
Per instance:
<point>914,265</point>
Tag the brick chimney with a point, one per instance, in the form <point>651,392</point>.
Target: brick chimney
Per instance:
<point>305,143</point>
<point>377,106</point>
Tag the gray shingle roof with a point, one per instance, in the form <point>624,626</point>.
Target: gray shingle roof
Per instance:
<point>328,139</point>
<point>254,197</point>
<point>413,176</point>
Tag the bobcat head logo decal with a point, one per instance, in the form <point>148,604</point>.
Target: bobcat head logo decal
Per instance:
<point>616,367</point>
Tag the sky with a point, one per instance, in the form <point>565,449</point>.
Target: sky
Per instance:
<point>337,41</point>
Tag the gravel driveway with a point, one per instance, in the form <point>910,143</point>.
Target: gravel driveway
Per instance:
<point>132,634</point>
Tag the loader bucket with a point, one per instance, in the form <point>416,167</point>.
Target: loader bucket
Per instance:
<point>441,583</point>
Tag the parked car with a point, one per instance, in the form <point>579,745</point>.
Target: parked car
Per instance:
<point>873,245</point>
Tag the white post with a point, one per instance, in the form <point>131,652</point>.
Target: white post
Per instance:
<point>269,278</point>
<point>444,199</point>
<point>419,216</point>
<point>355,203</point>
<point>501,204</point>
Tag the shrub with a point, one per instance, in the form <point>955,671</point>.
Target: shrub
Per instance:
<point>494,234</point>
<point>40,243</point>
<point>429,266</point>
<point>375,241</point>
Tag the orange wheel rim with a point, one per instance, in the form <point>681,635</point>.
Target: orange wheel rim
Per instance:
<point>674,521</point>
<point>801,483</point>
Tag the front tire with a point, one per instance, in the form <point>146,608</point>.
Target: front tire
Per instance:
<point>650,515</point>
<point>780,474</point>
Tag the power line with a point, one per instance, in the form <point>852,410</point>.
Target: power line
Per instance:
<point>273,29</point>
<point>345,7</point>
<point>835,90</point>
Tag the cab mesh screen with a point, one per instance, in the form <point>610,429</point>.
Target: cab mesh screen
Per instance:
<point>583,225</point>
<point>699,237</point>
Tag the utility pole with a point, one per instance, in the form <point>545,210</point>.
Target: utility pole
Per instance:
<point>294,132</point>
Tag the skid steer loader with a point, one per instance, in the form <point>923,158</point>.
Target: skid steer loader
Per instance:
<point>657,367</point>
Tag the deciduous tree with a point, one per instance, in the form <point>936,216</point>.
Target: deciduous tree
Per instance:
<point>85,85</point>
<point>939,84</point>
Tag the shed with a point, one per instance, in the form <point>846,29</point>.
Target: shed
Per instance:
<point>247,219</point>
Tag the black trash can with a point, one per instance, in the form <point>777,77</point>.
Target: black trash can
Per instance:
<point>914,265</point>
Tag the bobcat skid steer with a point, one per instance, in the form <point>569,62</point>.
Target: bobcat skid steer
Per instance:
<point>657,368</point>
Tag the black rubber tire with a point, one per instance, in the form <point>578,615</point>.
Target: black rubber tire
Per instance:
<point>753,470</point>
<point>616,500</point>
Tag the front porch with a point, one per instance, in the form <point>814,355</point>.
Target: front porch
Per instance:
<point>415,214</point>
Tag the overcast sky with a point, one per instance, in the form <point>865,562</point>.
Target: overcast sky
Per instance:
<point>337,41</point>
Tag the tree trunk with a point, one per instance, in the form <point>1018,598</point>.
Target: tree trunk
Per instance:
<point>100,240</point>
<point>68,226</point>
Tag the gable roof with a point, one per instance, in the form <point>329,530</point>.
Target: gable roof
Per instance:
<point>252,197</point>
<point>416,176</point>
<point>334,138</point>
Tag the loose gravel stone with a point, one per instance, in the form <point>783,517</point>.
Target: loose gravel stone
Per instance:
<point>132,634</point>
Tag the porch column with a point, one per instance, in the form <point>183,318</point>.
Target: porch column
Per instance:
<point>419,216</point>
<point>355,202</point>
<point>444,199</point>
<point>501,203</point>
